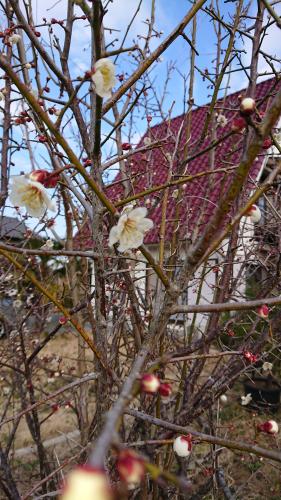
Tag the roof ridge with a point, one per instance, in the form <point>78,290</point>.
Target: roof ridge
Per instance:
<point>198,108</point>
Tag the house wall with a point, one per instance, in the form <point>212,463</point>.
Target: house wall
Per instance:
<point>201,288</point>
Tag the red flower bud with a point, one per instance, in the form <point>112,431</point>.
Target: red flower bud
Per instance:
<point>130,467</point>
<point>42,138</point>
<point>249,356</point>
<point>38,176</point>
<point>63,320</point>
<point>149,383</point>
<point>50,223</point>
<point>238,124</point>
<point>126,146</point>
<point>267,143</point>
<point>149,118</point>
<point>51,181</point>
<point>230,333</point>
<point>263,311</point>
<point>270,427</point>
<point>87,162</point>
<point>165,390</point>
<point>19,121</point>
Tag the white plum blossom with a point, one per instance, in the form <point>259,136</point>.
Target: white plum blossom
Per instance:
<point>48,245</point>
<point>223,398</point>
<point>28,66</point>
<point>267,367</point>
<point>31,195</point>
<point>245,400</point>
<point>17,304</point>
<point>104,77</point>
<point>13,39</point>
<point>221,120</point>
<point>130,229</point>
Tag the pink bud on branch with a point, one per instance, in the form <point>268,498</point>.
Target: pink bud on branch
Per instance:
<point>238,124</point>
<point>130,467</point>
<point>249,356</point>
<point>263,311</point>
<point>165,390</point>
<point>150,383</point>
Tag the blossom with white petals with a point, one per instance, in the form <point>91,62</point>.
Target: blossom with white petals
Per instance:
<point>245,400</point>
<point>147,141</point>
<point>221,120</point>
<point>267,367</point>
<point>13,39</point>
<point>130,229</point>
<point>32,195</point>
<point>104,77</point>
<point>48,245</point>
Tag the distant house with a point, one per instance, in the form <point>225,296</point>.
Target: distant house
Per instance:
<point>12,229</point>
<point>196,201</point>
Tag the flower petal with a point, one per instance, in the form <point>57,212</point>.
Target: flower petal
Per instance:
<point>114,235</point>
<point>137,213</point>
<point>145,225</point>
<point>130,239</point>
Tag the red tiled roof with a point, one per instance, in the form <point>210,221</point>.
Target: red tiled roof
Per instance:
<point>145,170</point>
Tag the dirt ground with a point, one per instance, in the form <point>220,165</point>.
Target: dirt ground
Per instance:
<point>251,477</point>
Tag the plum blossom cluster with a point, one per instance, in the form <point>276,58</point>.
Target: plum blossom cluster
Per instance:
<point>29,191</point>
<point>130,229</point>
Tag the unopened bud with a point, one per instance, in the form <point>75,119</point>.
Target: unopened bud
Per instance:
<point>247,106</point>
<point>270,427</point>
<point>182,445</point>
<point>150,383</point>
<point>130,467</point>
<point>263,311</point>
